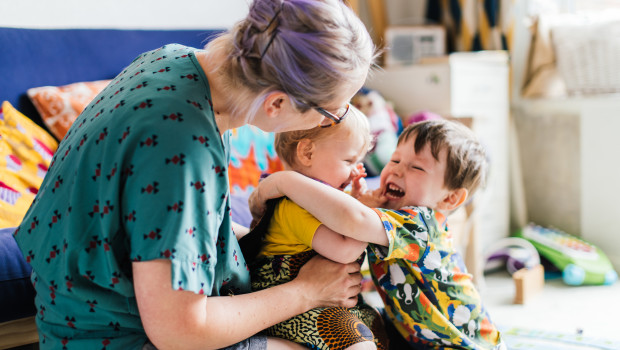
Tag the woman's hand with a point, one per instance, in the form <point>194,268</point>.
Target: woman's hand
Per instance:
<point>327,284</point>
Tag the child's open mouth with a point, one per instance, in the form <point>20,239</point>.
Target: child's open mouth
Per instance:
<point>394,191</point>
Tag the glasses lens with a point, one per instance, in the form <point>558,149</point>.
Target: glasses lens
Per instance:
<point>327,122</point>
<point>340,113</point>
<point>332,118</point>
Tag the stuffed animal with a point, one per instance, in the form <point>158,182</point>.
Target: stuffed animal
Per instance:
<point>385,126</point>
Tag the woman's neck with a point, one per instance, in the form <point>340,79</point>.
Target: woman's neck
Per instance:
<point>222,102</point>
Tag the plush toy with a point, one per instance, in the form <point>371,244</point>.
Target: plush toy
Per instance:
<point>385,126</point>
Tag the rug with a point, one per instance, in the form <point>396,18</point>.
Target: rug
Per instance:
<point>519,338</point>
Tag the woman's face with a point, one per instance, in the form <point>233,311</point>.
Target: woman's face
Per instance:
<point>291,119</point>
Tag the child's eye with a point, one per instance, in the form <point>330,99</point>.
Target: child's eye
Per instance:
<point>416,168</point>
<point>395,161</point>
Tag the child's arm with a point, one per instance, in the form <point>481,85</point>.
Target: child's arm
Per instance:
<point>239,230</point>
<point>335,209</point>
<point>337,247</point>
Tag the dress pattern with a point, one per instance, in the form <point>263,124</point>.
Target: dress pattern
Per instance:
<point>140,175</point>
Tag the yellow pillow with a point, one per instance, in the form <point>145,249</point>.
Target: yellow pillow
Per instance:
<point>25,154</point>
<point>59,106</point>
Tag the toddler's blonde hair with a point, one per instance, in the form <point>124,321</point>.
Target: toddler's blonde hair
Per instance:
<point>355,123</point>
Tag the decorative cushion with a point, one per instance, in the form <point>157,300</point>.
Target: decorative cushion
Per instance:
<point>25,154</point>
<point>60,105</point>
<point>252,153</point>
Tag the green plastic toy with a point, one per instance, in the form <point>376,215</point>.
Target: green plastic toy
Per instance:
<point>581,262</point>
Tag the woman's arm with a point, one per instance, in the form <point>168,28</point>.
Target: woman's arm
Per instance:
<point>333,208</point>
<point>337,247</point>
<point>185,320</point>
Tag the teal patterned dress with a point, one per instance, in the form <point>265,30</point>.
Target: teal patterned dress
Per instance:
<point>141,175</point>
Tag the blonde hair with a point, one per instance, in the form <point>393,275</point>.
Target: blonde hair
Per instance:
<point>305,48</point>
<point>355,123</point>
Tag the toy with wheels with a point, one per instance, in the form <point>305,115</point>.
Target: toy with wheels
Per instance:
<point>581,262</point>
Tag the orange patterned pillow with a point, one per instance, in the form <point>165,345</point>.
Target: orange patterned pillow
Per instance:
<point>60,105</point>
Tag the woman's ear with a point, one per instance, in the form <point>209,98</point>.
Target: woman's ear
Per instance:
<point>453,200</point>
<point>274,103</point>
<point>305,148</point>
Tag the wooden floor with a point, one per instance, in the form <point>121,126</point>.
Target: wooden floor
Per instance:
<point>588,310</point>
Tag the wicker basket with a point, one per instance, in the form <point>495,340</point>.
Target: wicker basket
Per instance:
<point>588,57</point>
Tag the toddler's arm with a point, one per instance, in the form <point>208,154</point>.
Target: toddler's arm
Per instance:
<point>337,247</point>
<point>335,209</point>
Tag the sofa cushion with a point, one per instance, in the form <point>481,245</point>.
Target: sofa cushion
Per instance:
<point>25,154</point>
<point>16,291</point>
<point>59,106</point>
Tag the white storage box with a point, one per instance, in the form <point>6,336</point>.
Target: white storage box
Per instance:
<point>408,44</point>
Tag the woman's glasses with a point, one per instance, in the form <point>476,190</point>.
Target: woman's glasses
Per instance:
<point>332,118</point>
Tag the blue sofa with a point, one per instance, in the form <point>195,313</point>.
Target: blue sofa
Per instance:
<point>56,57</point>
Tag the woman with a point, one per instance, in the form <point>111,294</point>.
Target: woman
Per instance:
<point>130,237</point>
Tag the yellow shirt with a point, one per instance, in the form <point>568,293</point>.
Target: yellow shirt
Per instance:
<point>291,230</point>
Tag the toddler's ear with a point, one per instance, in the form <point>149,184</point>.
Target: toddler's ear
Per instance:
<point>453,200</point>
<point>305,148</point>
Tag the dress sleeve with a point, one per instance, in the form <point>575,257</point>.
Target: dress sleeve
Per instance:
<point>407,234</point>
<point>175,200</point>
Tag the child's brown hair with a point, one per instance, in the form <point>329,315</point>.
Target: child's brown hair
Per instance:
<point>466,160</point>
<point>286,142</point>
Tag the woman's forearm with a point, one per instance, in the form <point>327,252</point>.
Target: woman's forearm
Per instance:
<point>185,320</point>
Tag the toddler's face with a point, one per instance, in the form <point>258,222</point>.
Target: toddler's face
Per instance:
<point>411,179</point>
<point>335,159</point>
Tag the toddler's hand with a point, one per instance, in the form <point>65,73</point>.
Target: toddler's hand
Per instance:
<point>257,205</point>
<point>267,189</point>
<point>358,184</point>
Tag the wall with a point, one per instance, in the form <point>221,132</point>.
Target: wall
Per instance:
<point>564,144</point>
<point>127,14</point>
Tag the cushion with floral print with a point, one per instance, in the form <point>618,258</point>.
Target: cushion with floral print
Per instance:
<point>59,106</point>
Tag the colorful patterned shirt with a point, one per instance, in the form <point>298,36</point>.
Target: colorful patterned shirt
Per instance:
<point>141,175</point>
<point>424,284</point>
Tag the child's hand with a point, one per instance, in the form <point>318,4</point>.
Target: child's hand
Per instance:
<point>358,184</point>
<point>267,189</point>
<point>373,199</point>
<point>257,205</point>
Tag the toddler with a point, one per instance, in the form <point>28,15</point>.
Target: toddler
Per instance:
<point>288,235</point>
<point>427,292</point>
